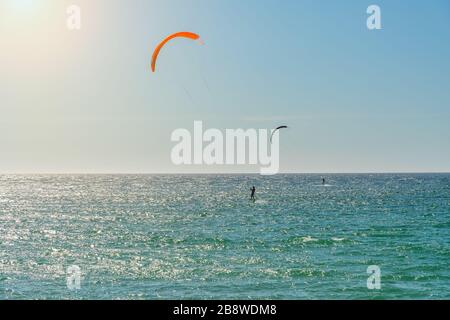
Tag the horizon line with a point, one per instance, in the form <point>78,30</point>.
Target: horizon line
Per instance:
<point>220,173</point>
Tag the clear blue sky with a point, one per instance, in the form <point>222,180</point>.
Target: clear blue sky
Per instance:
<point>356,100</point>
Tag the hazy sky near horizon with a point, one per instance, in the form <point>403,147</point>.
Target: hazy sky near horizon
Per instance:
<point>355,100</point>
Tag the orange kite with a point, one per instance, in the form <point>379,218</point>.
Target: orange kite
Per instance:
<point>188,35</point>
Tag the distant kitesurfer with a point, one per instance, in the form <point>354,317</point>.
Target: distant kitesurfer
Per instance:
<point>323,181</point>
<point>252,197</point>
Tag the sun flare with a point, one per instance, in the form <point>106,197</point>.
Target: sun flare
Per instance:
<point>22,5</point>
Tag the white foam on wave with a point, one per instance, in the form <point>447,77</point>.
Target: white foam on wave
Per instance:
<point>261,201</point>
<point>309,239</point>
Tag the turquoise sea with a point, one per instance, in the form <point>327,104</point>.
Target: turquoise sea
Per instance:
<point>199,236</point>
